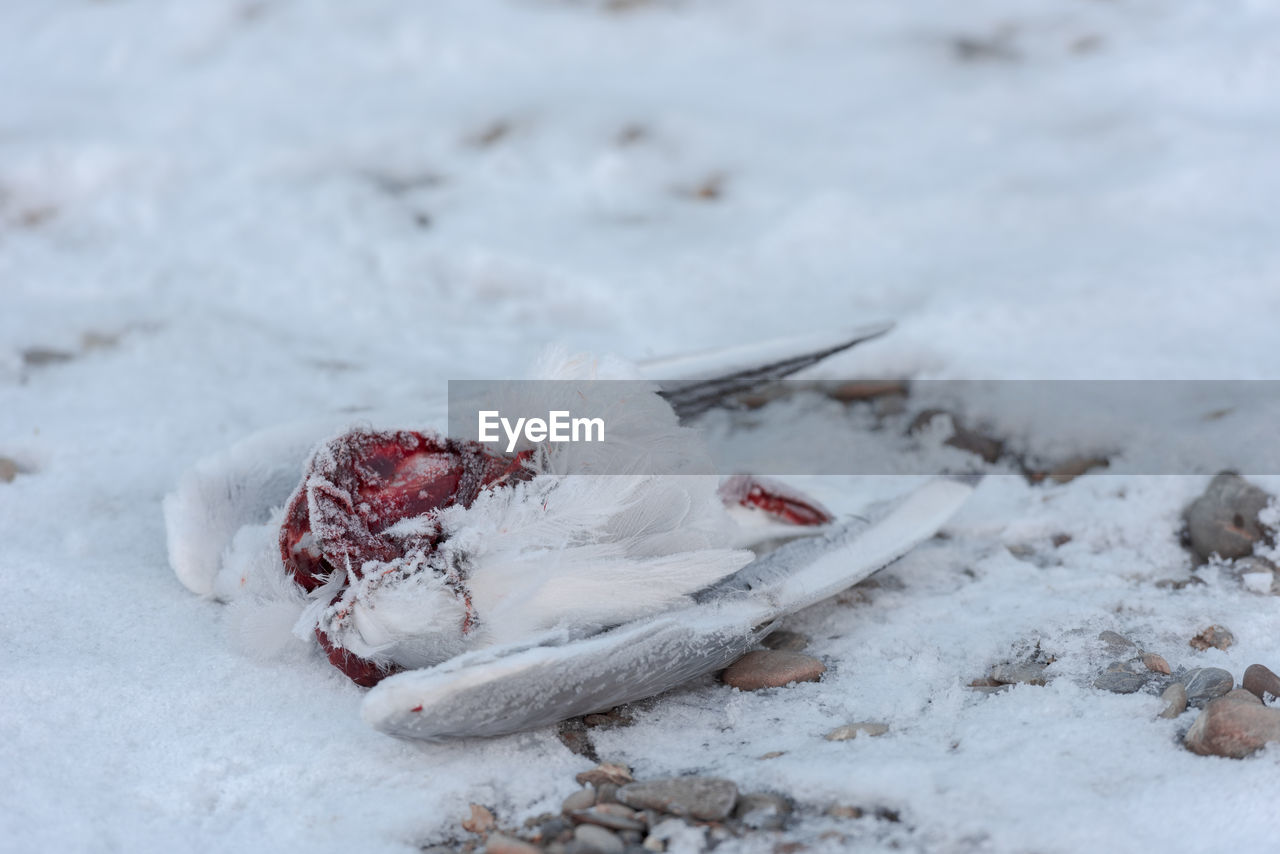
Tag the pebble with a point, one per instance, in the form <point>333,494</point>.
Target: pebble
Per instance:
<point>762,811</point>
<point>499,844</point>
<point>848,731</point>
<point>1175,700</point>
<point>702,798</point>
<point>607,793</point>
<point>1020,673</point>
<point>784,640</point>
<point>1255,573</point>
<point>595,839</point>
<point>606,772</point>
<point>1218,637</point>
<point>480,820</point>
<point>1069,470</point>
<point>1115,642</point>
<point>579,800</point>
<point>1155,663</point>
<point>1121,677</point>
<point>1260,681</point>
<point>1234,726</point>
<point>1206,683</point>
<point>860,390</point>
<point>1224,520</point>
<point>8,470</point>
<point>612,816</point>
<point>765,668</point>
<point>773,754</point>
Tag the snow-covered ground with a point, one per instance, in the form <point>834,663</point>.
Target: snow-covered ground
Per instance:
<point>217,216</point>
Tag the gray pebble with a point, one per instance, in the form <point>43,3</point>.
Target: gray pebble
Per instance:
<point>607,793</point>
<point>597,840</point>
<point>1224,520</point>
<point>579,800</point>
<point>702,798</point>
<point>1123,678</point>
<point>612,816</point>
<point>1206,683</point>
<point>1175,700</point>
<point>1020,673</point>
<point>762,811</point>
<point>1115,642</point>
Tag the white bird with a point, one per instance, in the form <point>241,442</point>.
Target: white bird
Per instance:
<point>476,573</point>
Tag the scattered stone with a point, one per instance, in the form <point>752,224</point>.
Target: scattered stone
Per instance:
<point>607,793</point>
<point>612,816</point>
<point>1179,583</point>
<point>1206,683</point>
<point>579,800</point>
<point>1175,700</point>
<point>1069,470</point>
<point>1060,540</point>
<point>1116,643</point>
<point>606,772</point>
<point>1261,681</point>
<point>773,754</point>
<point>39,357</point>
<point>1224,520</point>
<point>784,640</point>
<point>702,798</point>
<point>1155,663</point>
<point>555,828</point>
<point>1020,673</point>
<point>973,442</point>
<point>848,731</point>
<point>986,685</point>
<point>1218,637</point>
<point>609,720</point>
<point>766,668</point>
<point>8,470</point>
<point>763,811</point>
<point>480,821</point>
<point>500,844</point>
<point>860,390</point>
<point>840,811</point>
<point>1123,677</point>
<point>593,839</point>
<point>1234,726</point>
<point>573,735</point>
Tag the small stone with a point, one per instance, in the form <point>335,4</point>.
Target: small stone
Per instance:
<point>607,793</point>
<point>840,811</point>
<point>848,731</point>
<point>1069,470</point>
<point>612,816</point>
<point>976,443</point>
<point>1218,637</point>
<point>1122,678</point>
<point>500,844</point>
<point>480,821</point>
<point>1175,700</point>
<point>766,668</point>
<point>593,838</point>
<point>1020,673</point>
<point>762,811</point>
<point>773,754</point>
<point>8,470</point>
<point>1115,642</point>
<point>579,800</point>
<point>606,772</point>
<point>1224,520</point>
<point>860,390</point>
<point>786,641</point>
<point>1261,681</point>
<point>1206,683</point>
<point>1155,663</point>
<point>1235,726</point>
<point>573,735</point>
<point>701,798</point>
<point>553,829</point>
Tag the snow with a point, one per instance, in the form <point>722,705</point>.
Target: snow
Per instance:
<point>232,215</point>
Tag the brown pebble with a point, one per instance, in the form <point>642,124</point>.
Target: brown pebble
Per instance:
<point>1234,726</point>
<point>773,754</point>
<point>840,811</point>
<point>858,390</point>
<point>1175,700</point>
<point>611,816</point>
<point>1260,681</point>
<point>8,470</point>
<point>579,800</point>
<point>1218,637</point>
<point>848,731</point>
<point>607,793</point>
<point>1156,663</point>
<point>499,844</point>
<point>766,668</point>
<point>481,820</point>
<point>1071,469</point>
<point>606,772</point>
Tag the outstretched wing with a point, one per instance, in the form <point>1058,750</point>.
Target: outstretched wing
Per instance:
<point>507,689</point>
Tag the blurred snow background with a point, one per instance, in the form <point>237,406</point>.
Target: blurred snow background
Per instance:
<point>217,216</point>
